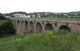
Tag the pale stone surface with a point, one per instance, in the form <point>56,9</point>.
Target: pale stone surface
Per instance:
<point>43,24</point>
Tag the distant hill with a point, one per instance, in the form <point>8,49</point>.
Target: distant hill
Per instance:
<point>47,14</point>
<point>10,14</point>
<point>75,12</point>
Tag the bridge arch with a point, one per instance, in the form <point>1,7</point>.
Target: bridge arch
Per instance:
<point>65,28</point>
<point>31,26</point>
<point>26,26</point>
<point>38,27</point>
<point>48,27</point>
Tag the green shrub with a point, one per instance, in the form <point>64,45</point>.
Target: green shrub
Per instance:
<point>7,28</point>
<point>64,42</point>
<point>2,17</point>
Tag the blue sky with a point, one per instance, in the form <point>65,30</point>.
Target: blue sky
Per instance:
<point>7,6</point>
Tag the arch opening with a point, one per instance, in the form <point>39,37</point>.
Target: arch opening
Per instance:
<point>26,26</point>
<point>38,27</point>
<point>31,27</point>
<point>48,27</point>
<point>64,28</point>
<point>18,21</point>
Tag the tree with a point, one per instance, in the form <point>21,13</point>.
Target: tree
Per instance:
<point>2,17</point>
<point>6,28</point>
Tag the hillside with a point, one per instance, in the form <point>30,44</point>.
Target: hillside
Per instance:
<point>75,12</point>
<point>50,41</point>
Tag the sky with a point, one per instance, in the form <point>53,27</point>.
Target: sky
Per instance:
<point>28,6</point>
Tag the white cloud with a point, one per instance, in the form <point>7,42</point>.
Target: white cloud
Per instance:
<point>39,5</point>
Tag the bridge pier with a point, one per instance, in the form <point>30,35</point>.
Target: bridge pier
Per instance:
<point>21,27</point>
<point>24,26</point>
<point>34,27</point>
<point>16,26</point>
<point>28,26</point>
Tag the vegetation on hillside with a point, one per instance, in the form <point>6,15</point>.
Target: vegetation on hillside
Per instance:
<point>11,14</point>
<point>6,26</point>
<point>2,17</point>
<point>50,41</point>
<point>75,14</point>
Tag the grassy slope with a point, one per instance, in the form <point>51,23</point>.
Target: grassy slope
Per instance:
<point>25,43</point>
<point>39,42</point>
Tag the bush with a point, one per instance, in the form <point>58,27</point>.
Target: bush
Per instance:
<point>7,28</point>
<point>64,42</point>
<point>2,17</point>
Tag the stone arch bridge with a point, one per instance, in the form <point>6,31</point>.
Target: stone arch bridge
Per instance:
<point>24,25</point>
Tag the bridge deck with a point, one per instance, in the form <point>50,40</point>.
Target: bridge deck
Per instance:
<point>43,18</point>
<point>69,20</point>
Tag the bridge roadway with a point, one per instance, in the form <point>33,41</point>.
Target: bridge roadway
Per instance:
<point>67,20</point>
<point>69,24</point>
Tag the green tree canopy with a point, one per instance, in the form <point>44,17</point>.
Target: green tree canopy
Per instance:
<point>6,27</point>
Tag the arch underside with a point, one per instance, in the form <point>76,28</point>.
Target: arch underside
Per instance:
<point>48,27</point>
<point>26,26</point>
<point>31,27</point>
<point>64,28</point>
<point>38,27</point>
